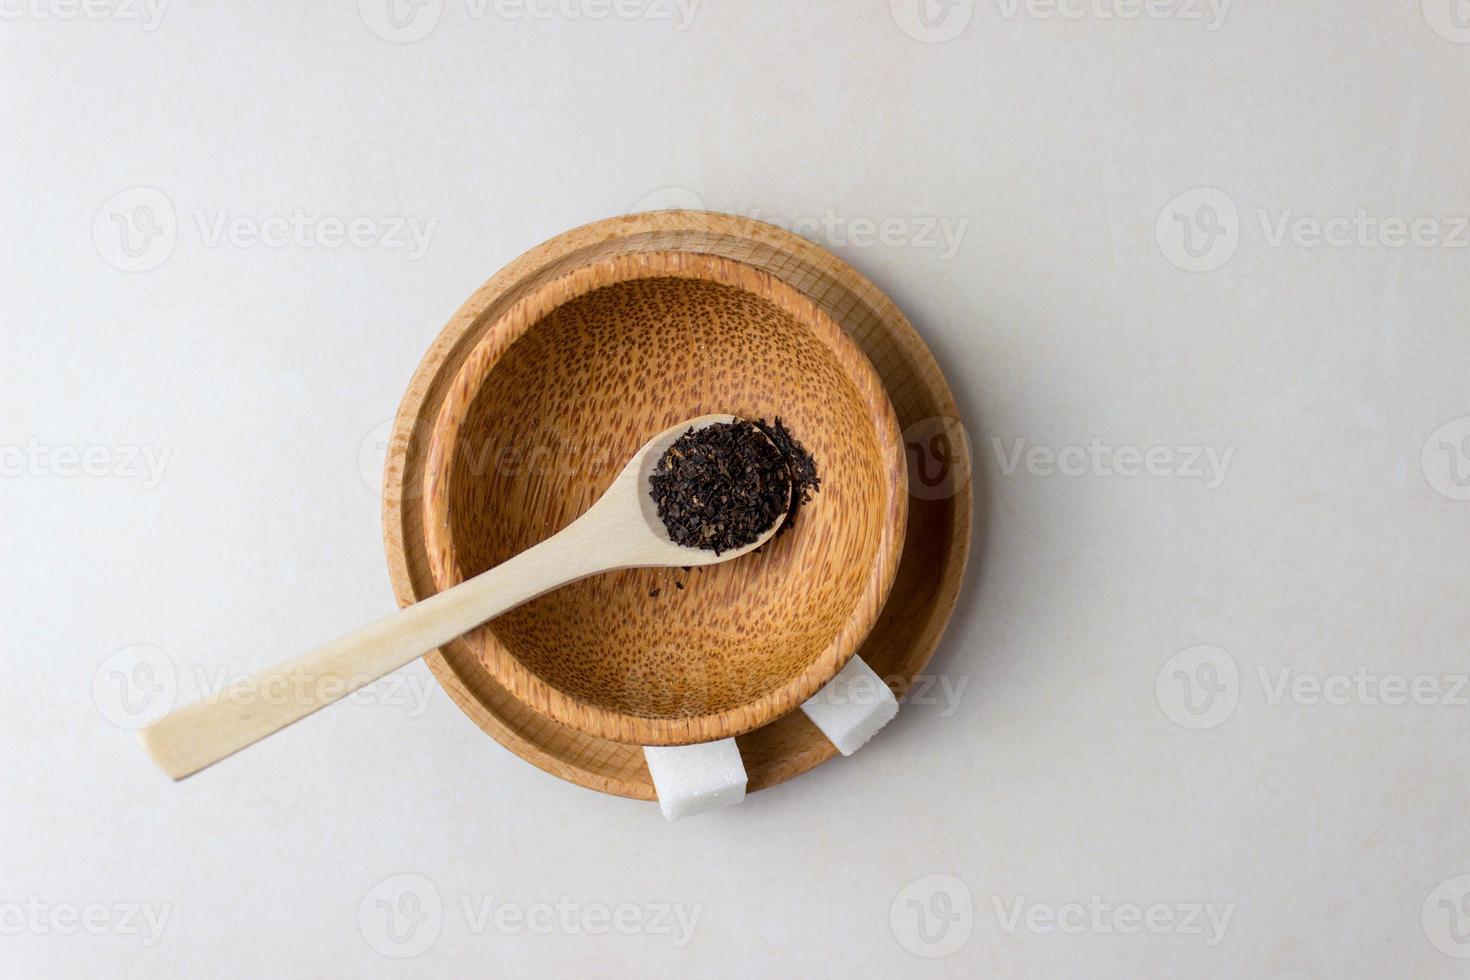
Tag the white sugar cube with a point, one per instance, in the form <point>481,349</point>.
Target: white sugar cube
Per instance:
<point>852,707</point>
<point>694,778</point>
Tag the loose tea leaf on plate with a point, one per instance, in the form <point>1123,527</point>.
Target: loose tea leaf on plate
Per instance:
<point>723,486</point>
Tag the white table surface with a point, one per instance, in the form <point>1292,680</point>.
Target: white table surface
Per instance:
<point>184,447</point>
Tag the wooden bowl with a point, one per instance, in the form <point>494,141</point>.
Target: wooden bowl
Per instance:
<point>937,534</point>
<point>561,389</point>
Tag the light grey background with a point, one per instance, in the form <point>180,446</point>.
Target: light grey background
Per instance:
<point>1070,151</point>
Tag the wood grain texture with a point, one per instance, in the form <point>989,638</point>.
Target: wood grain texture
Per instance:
<point>563,387</point>
<point>936,541</point>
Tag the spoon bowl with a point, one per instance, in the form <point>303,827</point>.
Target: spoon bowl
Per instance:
<point>657,550</point>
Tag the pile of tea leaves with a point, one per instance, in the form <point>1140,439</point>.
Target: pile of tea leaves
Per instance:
<point>723,486</point>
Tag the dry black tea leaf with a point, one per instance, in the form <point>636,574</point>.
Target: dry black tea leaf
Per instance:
<point>723,486</point>
<point>800,465</point>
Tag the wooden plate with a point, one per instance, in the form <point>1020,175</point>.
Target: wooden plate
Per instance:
<point>936,544</point>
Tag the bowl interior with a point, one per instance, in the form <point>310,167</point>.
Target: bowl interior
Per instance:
<point>549,415</point>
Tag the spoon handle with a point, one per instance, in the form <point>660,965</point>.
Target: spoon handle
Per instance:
<point>202,733</point>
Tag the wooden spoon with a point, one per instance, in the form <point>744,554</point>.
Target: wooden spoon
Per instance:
<point>621,529</point>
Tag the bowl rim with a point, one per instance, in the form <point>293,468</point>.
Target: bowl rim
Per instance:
<point>444,441</point>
